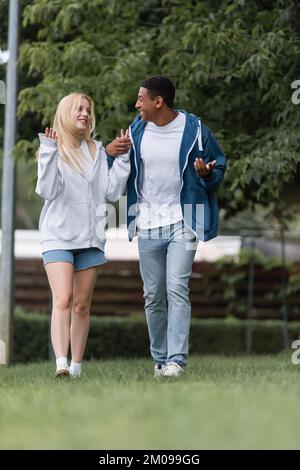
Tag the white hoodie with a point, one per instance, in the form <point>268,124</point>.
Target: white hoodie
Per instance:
<point>74,213</point>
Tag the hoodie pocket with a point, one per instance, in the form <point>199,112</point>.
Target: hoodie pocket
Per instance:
<point>75,223</point>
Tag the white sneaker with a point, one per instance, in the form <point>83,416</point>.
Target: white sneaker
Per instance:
<point>159,370</point>
<point>62,372</point>
<point>75,373</point>
<point>172,369</point>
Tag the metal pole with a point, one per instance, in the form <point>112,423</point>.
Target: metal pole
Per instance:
<point>8,189</point>
<point>250,298</point>
<point>284,305</point>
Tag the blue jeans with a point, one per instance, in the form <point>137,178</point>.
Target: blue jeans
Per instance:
<point>166,258</point>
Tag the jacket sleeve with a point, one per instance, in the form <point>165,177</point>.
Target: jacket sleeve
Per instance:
<point>213,151</point>
<point>49,182</point>
<point>118,174</point>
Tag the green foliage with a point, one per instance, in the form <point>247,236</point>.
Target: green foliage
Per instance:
<point>236,63</point>
<point>243,258</point>
<point>293,286</point>
<point>92,46</point>
<point>128,337</point>
<point>31,332</point>
<point>233,63</point>
<point>236,277</point>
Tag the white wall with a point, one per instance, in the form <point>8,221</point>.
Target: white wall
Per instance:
<point>119,248</point>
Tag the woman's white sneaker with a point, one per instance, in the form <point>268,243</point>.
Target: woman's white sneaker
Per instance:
<point>75,373</point>
<point>62,372</point>
<point>75,369</point>
<point>172,369</point>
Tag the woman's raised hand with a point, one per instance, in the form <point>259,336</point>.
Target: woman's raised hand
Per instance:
<point>50,133</point>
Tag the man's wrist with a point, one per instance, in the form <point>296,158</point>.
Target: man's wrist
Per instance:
<point>207,177</point>
<point>109,153</point>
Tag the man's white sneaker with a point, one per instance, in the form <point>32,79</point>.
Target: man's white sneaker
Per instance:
<point>159,370</point>
<point>173,369</point>
<point>62,372</point>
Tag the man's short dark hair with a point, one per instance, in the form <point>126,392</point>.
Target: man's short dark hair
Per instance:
<point>160,86</point>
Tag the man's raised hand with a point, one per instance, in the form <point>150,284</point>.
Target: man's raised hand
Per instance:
<point>120,145</point>
<point>203,169</point>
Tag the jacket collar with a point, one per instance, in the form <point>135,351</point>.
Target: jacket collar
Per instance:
<point>90,176</point>
<point>191,125</point>
<point>190,134</point>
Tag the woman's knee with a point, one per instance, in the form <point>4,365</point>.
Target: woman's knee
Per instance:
<point>81,308</point>
<point>62,301</point>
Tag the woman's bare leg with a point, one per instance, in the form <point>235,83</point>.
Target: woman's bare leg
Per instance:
<point>83,286</point>
<point>60,277</point>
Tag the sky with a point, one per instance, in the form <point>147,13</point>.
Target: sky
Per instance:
<point>3,57</point>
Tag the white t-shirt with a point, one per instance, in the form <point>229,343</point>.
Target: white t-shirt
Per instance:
<point>160,182</point>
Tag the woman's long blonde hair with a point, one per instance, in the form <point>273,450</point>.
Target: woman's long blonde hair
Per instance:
<point>66,129</point>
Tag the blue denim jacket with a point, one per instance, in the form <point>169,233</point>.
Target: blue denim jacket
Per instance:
<point>197,196</point>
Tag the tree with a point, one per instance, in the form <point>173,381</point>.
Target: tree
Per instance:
<point>233,63</point>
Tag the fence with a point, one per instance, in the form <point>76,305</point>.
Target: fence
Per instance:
<point>216,291</point>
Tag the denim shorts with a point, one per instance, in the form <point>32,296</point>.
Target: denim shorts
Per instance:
<point>81,259</point>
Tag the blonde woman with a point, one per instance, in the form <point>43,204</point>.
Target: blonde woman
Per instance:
<point>75,181</point>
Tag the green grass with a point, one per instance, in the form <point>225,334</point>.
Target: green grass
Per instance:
<point>220,403</point>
